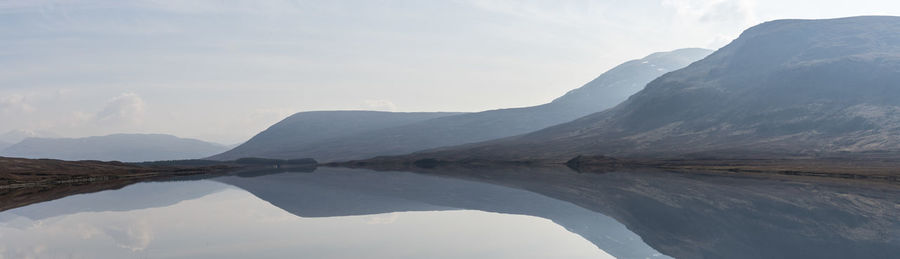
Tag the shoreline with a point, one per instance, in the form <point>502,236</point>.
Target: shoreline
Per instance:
<point>868,170</point>
<point>25,173</point>
<point>59,182</point>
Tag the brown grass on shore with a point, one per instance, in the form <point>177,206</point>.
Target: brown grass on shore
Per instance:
<point>21,172</point>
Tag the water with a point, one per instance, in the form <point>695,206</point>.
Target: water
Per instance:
<point>461,213</point>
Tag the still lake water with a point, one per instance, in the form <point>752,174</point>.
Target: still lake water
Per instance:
<point>503,213</point>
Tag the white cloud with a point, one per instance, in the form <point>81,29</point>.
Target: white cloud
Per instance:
<point>136,236</point>
<point>379,105</point>
<point>738,11</point>
<point>15,104</point>
<point>125,109</point>
<point>720,21</point>
<point>570,13</point>
<point>209,64</point>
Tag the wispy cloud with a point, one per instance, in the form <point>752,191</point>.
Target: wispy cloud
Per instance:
<point>379,105</point>
<point>716,11</point>
<point>126,109</point>
<point>576,13</point>
<point>15,104</point>
<point>211,62</point>
<point>169,6</point>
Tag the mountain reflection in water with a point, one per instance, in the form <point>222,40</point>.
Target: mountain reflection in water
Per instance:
<point>465,213</point>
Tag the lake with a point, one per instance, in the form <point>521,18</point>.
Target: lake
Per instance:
<point>463,213</point>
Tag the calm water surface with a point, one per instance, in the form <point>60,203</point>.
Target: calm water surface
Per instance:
<point>513,213</point>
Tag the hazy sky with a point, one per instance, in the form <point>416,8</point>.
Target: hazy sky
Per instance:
<point>224,70</point>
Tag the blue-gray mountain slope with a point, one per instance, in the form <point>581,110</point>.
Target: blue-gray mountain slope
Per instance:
<point>605,91</point>
<point>116,147</point>
<point>801,88</point>
<point>291,137</point>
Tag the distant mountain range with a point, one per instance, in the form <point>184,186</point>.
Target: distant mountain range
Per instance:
<point>12,137</point>
<point>783,89</point>
<point>15,136</point>
<point>325,136</point>
<point>117,147</point>
<point>786,88</point>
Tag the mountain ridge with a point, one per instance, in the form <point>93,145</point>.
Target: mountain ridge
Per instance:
<point>16,136</point>
<point>603,92</point>
<point>786,88</point>
<point>305,128</point>
<point>114,147</point>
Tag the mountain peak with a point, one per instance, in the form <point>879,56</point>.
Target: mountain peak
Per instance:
<point>781,44</point>
<point>630,77</point>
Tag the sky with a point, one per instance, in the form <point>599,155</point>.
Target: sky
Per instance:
<point>222,71</point>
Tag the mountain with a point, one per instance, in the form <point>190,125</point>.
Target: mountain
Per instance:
<point>605,91</point>
<point>15,136</point>
<point>786,88</point>
<point>290,137</point>
<point>4,144</point>
<point>118,147</point>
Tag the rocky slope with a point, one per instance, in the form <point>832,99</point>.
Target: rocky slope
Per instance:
<point>786,88</point>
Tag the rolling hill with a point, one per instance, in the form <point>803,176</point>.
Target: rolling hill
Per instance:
<point>15,136</point>
<point>290,137</point>
<point>117,147</point>
<point>605,91</point>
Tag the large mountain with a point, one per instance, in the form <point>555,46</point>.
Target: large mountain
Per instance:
<point>605,91</point>
<point>118,147</point>
<point>290,137</point>
<point>4,144</point>
<point>806,88</point>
